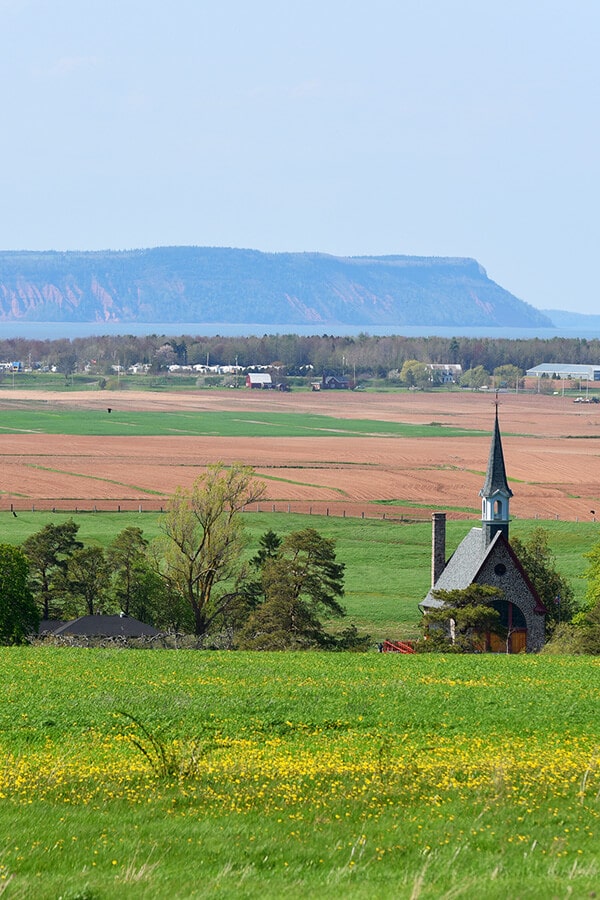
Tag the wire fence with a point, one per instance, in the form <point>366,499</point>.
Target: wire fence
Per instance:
<point>350,511</point>
<point>355,511</point>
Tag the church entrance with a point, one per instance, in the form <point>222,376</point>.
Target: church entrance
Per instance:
<point>513,620</point>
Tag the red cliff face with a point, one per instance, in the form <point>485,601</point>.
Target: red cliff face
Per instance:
<point>216,284</point>
<point>46,301</point>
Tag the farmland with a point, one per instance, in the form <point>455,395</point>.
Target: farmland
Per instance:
<point>208,774</point>
<point>402,454</point>
<point>369,469</point>
<point>216,774</point>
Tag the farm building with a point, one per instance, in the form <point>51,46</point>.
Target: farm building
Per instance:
<point>485,556</point>
<point>335,383</point>
<point>565,370</point>
<point>445,373</point>
<point>259,380</point>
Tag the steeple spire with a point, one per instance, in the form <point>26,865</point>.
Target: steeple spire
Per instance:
<point>495,492</point>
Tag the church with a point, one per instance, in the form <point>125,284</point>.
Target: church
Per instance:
<point>485,556</point>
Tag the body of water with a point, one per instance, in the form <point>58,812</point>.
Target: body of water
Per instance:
<point>56,330</point>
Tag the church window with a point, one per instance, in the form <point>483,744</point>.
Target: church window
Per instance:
<point>510,615</point>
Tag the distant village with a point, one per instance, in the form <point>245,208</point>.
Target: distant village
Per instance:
<point>420,375</point>
<point>325,362</point>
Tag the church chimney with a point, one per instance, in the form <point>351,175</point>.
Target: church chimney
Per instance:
<point>438,546</point>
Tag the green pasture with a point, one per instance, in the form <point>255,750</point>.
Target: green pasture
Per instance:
<point>151,774</point>
<point>109,384</point>
<point>39,418</point>
<point>388,563</point>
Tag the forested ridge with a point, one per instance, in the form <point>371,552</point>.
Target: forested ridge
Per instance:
<point>217,284</point>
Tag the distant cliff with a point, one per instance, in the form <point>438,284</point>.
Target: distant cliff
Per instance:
<point>208,285</point>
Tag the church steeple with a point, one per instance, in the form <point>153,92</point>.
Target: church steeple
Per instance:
<point>495,492</point>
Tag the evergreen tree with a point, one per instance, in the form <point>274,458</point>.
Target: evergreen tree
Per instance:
<point>461,624</point>
<point>48,552</point>
<point>86,583</point>
<point>300,583</point>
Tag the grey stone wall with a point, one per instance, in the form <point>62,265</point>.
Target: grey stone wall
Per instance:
<point>516,591</point>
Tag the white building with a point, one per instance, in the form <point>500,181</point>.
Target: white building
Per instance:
<point>565,370</point>
<point>447,373</point>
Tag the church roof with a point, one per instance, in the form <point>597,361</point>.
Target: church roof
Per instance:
<point>461,568</point>
<point>465,564</point>
<point>495,478</point>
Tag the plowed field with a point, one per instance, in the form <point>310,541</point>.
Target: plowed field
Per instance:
<point>551,448</point>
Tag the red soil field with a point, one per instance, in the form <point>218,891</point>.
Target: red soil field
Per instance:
<point>551,449</point>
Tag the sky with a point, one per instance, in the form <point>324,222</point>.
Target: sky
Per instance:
<point>421,127</point>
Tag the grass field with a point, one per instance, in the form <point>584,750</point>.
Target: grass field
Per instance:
<point>56,382</point>
<point>151,774</point>
<point>387,562</point>
<point>37,419</point>
<point>196,774</point>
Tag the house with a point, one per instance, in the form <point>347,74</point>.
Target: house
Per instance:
<point>485,556</point>
<point>335,383</point>
<point>259,380</point>
<point>99,626</point>
<point>445,373</point>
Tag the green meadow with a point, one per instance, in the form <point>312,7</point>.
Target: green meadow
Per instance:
<point>199,774</point>
<point>37,418</point>
<point>152,774</point>
<point>388,562</point>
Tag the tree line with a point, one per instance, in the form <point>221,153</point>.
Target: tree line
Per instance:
<point>194,578</point>
<point>361,355</point>
<point>197,578</point>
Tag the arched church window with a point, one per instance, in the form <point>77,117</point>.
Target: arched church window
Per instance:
<point>510,615</point>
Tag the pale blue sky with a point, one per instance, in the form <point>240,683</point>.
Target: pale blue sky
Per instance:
<point>425,127</point>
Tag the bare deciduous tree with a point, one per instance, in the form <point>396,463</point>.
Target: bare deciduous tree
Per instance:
<point>203,537</point>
